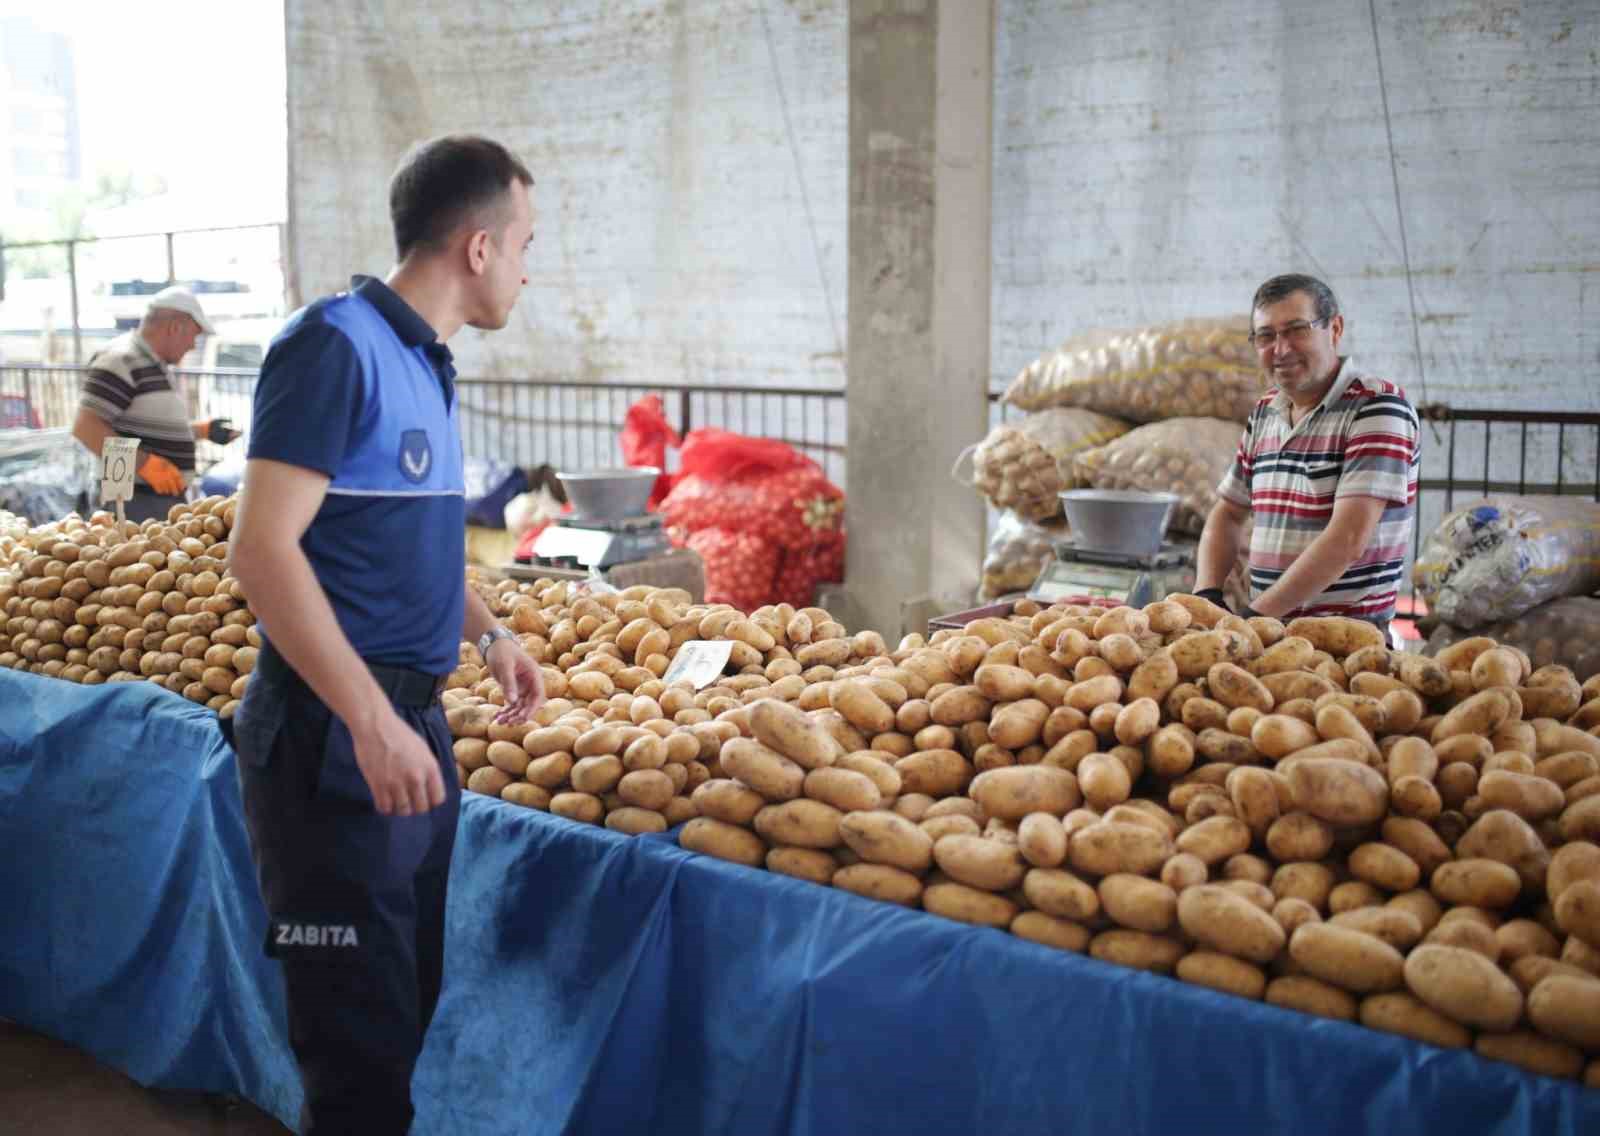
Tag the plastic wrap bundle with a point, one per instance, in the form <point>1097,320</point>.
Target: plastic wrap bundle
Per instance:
<point>1018,551</point>
<point>1023,465</point>
<point>1564,631</point>
<point>1186,456</point>
<point>1498,557</point>
<point>1196,368</point>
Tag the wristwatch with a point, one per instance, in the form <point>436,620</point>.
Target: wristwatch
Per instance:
<point>487,639</point>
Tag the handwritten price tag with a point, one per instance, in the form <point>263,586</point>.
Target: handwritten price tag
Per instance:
<point>116,468</point>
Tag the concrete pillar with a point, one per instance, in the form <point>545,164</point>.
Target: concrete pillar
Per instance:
<point>921,100</point>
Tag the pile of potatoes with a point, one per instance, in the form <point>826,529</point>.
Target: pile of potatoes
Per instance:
<point>1288,813</point>
<point>91,601</point>
<point>614,744</point>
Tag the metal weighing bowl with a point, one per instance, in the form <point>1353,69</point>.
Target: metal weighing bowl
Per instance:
<point>610,494</point>
<point>1123,522</point>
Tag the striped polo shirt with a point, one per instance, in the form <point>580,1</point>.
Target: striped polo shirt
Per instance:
<point>1362,440</point>
<point>133,392</point>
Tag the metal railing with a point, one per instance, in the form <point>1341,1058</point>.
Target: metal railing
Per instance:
<point>1471,452</point>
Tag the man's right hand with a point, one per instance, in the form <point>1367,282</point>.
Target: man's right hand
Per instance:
<point>161,475</point>
<point>398,766</point>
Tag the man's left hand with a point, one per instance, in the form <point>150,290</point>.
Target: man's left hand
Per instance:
<point>519,677</point>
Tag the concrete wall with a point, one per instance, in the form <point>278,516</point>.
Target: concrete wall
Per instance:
<point>1159,160</point>
<point>690,159</point>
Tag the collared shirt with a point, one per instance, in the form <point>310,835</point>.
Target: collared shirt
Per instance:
<point>1361,440</point>
<point>129,388</point>
<point>357,387</point>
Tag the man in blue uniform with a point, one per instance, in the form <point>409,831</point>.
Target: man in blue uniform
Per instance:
<point>350,541</point>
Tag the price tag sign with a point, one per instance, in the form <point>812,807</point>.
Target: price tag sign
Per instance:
<point>699,662</point>
<point>116,468</point>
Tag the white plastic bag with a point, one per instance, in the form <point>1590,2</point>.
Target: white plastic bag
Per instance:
<point>1024,465</point>
<point>1186,456</point>
<point>1497,557</point>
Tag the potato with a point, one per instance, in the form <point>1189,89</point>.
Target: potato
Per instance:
<point>1137,949</point>
<point>881,882</point>
<point>992,865</point>
<point>597,775</point>
<point>1042,840</point>
<point>1418,841</point>
<point>844,789</point>
<point>1395,926</point>
<point>1038,927</point>
<point>1402,1013</point>
<point>800,823</point>
<point>1348,959</point>
<point>803,864</point>
<point>861,707</point>
<point>1520,938</point>
<point>1196,654</point>
<point>1580,820</point>
<point>1278,735</point>
<point>1105,848</point>
<point>1504,836</point>
<point>1311,996</point>
<point>646,789</point>
<point>872,766</point>
<point>936,772</point>
<point>1218,918</point>
<point>1567,1008</point>
<point>1137,903</point>
<point>1061,894</point>
<point>1578,910</point>
<point>1018,724</point>
<point>1297,836</point>
<point>958,706</point>
<point>765,770</point>
<point>968,905</point>
<point>1335,634</point>
<point>1222,972</point>
<point>1463,986</point>
<point>1001,683</point>
<point>1384,866</point>
<point>1344,793</point>
<point>583,807</point>
<point>789,731</point>
<point>884,837</point>
<point>1481,714</point>
<point>724,841</point>
<point>1529,1051</point>
<point>1233,686</point>
<point>1154,678</point>
<point>1215,839</point>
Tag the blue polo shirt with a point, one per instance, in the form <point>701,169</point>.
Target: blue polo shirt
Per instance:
<point>357,386</point>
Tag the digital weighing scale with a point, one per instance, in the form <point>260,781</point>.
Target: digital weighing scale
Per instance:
<point>1079,574</point>
<point>578,542</point>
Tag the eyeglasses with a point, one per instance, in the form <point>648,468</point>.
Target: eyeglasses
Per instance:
<point>1298,332</point>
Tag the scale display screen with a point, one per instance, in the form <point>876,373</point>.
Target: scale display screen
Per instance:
<point>1063,580</point>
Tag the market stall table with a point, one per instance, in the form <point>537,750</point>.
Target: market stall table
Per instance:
<point>599,983</point>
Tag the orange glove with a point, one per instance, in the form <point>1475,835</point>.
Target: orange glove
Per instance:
<point>161,475</point>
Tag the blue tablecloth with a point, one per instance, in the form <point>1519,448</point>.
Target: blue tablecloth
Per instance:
<point>599,984</point>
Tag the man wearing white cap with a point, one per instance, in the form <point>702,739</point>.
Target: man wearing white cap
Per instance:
<point>129,391</point>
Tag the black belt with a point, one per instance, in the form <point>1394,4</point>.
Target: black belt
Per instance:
<point>408,688</point>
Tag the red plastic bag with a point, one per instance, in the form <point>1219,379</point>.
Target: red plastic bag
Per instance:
<point>803,569</point>
<point>646,434</point>
<point>755,485</point>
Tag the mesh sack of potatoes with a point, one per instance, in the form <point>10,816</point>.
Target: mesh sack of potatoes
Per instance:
<point>1023,465</point>
<point>1564,631</point>
<point>1497,557</point>
<point>1018,551</point>
<point>1186,456</point>
<point>1195,368</point>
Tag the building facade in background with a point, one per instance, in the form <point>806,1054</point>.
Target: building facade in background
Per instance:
<point>40,157</point>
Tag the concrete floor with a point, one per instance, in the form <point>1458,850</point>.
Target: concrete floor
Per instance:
<point>48,1088</point>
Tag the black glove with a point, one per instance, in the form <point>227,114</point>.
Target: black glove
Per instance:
<point>1249,613</point>
<point>1215,596</point>
<point>221,431</point>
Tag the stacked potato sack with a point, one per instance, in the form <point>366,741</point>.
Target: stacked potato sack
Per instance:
<point>1287,813</point>
<point>92,602</point>
<point>614,743</point>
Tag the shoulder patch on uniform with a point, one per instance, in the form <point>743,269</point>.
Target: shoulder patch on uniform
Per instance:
<point>416,456</point>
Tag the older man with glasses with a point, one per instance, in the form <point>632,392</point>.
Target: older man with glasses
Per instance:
<point>1327,466</point>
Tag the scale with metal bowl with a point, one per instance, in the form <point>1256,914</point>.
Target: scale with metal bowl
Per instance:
<point>1116,553</point>
<point>608,525</point>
